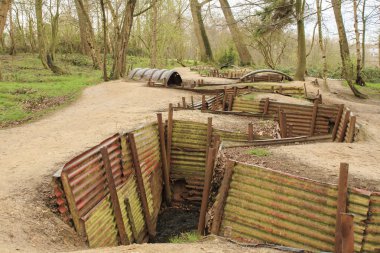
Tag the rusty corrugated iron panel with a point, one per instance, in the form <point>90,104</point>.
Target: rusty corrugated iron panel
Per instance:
<point>60,198</point>
<point>164,76</point>
<point>279,208</point>
<point>372,238</point>
<point>148,149</point>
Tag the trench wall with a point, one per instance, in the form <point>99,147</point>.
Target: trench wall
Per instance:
<point>264,205</point>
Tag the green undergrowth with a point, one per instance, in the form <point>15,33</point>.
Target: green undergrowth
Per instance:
<point>187,237</point>
<point>250,96</point>
<point>260,152</point>
<point>28,91</point>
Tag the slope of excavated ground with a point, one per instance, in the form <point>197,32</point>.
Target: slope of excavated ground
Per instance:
<point>31,153</point>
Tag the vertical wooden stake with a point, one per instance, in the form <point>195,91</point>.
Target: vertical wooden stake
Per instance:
<point>351,130</point>
<point>305,91</point>
<point>224,99</point>
<point>282,121</point>
<point>209,131</point>
<point>204,107</point>
<point>337,122</point>
<point>341,205</point>
<point>169,135</point>
<point>266,106</point>
<point>231,100</point>
<point>184,102</point>
<point>192,102</point>
<point>235,91</point>
<point>347,232</point>
<point>206,189</point>
<point>114,199</point>
<point>165,165</point>
<point>140,186</point>
<point>250,131</point>
<point>313,118</point>
<point>222,196</point>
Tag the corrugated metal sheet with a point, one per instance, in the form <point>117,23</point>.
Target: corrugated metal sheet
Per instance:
<point>275,207</point>
<point>164,76</point>
<point>188,157</point>
<point>372,237</point>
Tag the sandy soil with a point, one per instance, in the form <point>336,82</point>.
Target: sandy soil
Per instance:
<point>31,153</point>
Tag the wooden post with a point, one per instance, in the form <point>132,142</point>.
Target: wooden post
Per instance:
<point>204,107</point>
<point>351,129</point>
<point>282,121</point>
<point>222,196</point>
<point>131,220</point>
<point>165,165</point>
<point>224,98</point>
<point>235,91</point>
<point>347,232</point>
<point>250,131</point>
<point>192,102</point>
<point>344,126</point>
<point>341,205</point>
<point>305,91</point>
<point>313,118</point>
<point>231,100</point>
<point>272,89</point>
<point>337,122</point>
<point>266,106</point>
<point>209,131</point>
<point>169,136</point>
<point>114,199</point>
<point>184,102</point>
<point>206,189</point>
<point>140,186</point>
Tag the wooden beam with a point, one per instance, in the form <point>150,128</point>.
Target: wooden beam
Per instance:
<point>347,232</point>
<point>206,189</point>
<point>266,106</point>
<point>222,196</point>
<point>204,106</point>
<point>305,90</point>
<point>351,129</point>
<point>313,118</point>
<point>184,102</point>
<point>192,102</point>
<point>165,165</point>
<point>114,198</point>
<point>282,121</point>
<point>337,122</point>
<point>140,186</point>
<point>169,136</point>
<point>209,131</point>
<point>341,205</point>
<point>231,100</point>
<point>250,131</point>
<point>224,98</point>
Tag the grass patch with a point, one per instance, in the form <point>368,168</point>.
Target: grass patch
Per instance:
<point>186,237</point>
<point>250,96</point>
<point>29,91</point>
<point>260,152</point>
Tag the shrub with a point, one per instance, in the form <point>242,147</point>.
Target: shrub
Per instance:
<point>260,152</point>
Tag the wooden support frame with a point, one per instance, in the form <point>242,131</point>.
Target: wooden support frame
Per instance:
<point>169,136</point>
<point>351,129</point>
<point>224,98</point>
<point>206,189</point>
<point>348,242</point>
<point>230,102</point>
<point>204,106</point>
<point>313,118</point>
<point>266,106</point>
<point>140,186</point>
<point>192,102</point>
<point>250,131</point>
<point>282,121</point>
<point>305,90</point>
<point>184,102</point>
<point>209,131</point>
<point>337,122</point>
<point>235,91</point>
<point>341,205</point>
<point>222,197</point>
<point>165,165</point>
<point>114,198</point>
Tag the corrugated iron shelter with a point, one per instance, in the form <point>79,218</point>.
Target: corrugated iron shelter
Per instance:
<point>164,76</point>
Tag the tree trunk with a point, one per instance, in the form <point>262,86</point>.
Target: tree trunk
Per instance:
<point>32,40</point>
<point>12,48</point>
<point>153,49</point>
<point>104,22</point>
<point>244,55</point>
<point>4,9</point>
<point>359,79</point>
<point>322,44</point>
<point>82,27</point>
<point>301,41</point>
<point>364,24</point>
<point>347,67</point>
<point>122,39</point>
<point>200,31</point>
<point>54,31</point>
<point>41,33</point>
<point>90,36</point>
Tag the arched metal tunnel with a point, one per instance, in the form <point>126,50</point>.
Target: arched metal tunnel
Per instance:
<point>164,76</point>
